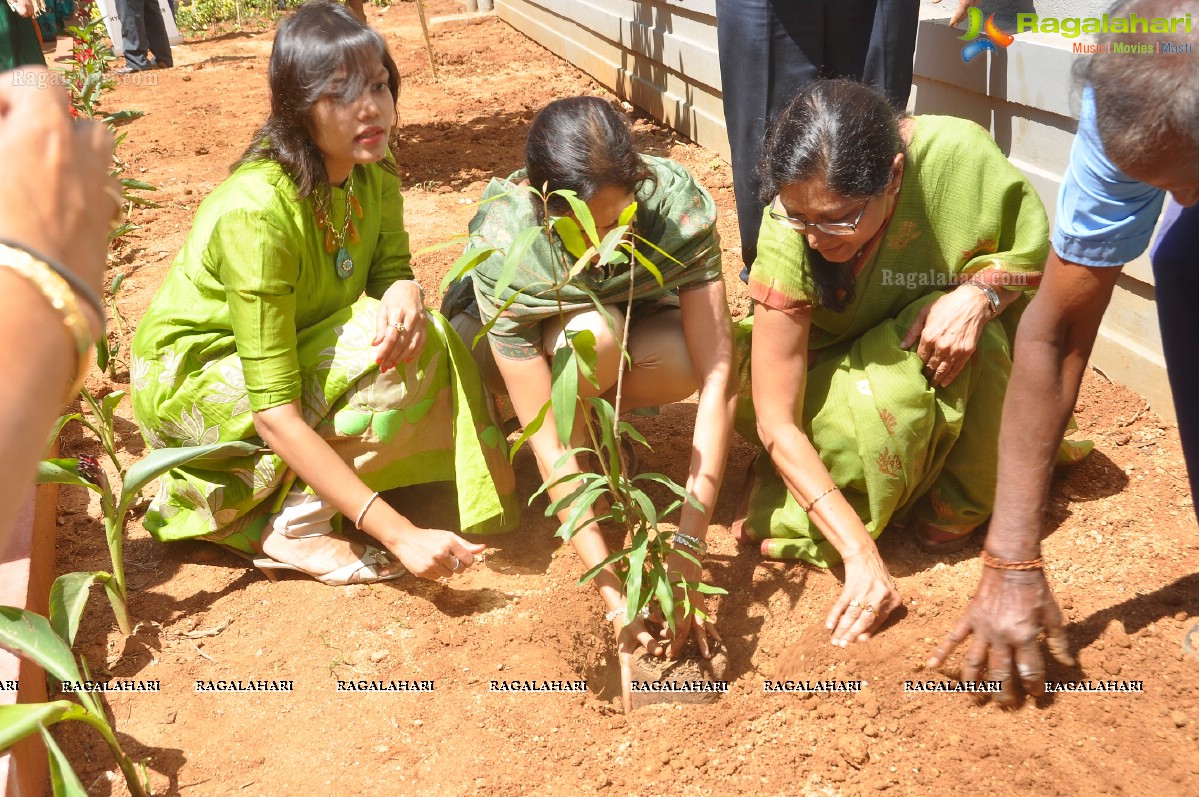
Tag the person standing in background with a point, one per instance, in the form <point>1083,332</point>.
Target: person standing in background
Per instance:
<point>18,35</point>
<point>770,49</point>
<point>143,30</point>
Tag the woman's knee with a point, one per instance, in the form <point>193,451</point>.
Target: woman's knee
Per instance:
<point>659,352</point>
<point>608,329</point>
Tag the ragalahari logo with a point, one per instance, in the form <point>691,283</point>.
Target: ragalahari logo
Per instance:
<point>980,37</point>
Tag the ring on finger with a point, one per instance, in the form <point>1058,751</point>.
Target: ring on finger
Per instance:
<point>457,565</point>
<point>855,604</point>
<point>398,326</point>
<point>869,607</point>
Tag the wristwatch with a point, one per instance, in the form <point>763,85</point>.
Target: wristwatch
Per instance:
<point>991,294</point>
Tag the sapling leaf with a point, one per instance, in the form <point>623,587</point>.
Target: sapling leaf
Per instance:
<point>659,250</point>
<point>19,720</point>
<point>672,485</point>
<point>456,240</point>
<point>63,780</point>
<point>708,589</point>
<point>515,256</point>
<point>584,259</point>
<point>119,279</point>
<point>686,554</point>
<point>588,482</point>
<point>664,592</point>
<point>62,471</point>
<point>646,505</point>
<point>161,460</point>
<point>582,478</point>
<point>575,521</point>
<point>593,572</point>
<point>608,245</point>
<point>491,321</point>
<point>30,635</point>
<point>582,214</point>
<point>629,429</point>
<point>583,342</point>
<point>648,265</point>
<point>68,598</point>
<point>633,595</point>
<point>627,214</point>
<point>530,429</point>
<point>59,424</point>
<point>465,263</point>
<point>560,461</point>
<point>564,392</point>
<point>572,237</point>
<point>108,406</point>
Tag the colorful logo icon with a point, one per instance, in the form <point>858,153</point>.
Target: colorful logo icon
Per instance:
<point>980,37</point>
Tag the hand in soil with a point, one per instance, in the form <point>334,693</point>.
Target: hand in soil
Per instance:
<point>628,639</point>
<point>1009,611</point>
<point>434,553</point>
<point>699,623</point>
<point>868,597</point>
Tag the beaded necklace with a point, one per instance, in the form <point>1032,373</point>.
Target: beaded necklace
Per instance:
<point>336,241</point>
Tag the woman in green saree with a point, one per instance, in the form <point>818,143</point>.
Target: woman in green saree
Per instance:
<point>291,315</point>
<point>893,263</point>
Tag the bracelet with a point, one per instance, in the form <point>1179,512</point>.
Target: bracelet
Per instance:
<point>991,294</point>
<point>366,506</point>
<point>612,615</point>
<point>1003,564</point>
<point>81,288</point>
<point>61,297</point>
<point>696,545</point>
<point>807,509</point>
<point>419,287</point>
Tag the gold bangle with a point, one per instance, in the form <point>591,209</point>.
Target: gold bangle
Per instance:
<point>61,297</point>
<point>807,509</point>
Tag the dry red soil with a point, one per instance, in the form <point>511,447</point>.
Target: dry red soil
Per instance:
<point>1123,554</point>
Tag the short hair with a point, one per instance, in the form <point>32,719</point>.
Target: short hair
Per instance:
<point>1144,102</point>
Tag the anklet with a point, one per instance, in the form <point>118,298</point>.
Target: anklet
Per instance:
<point>1002,564</point>
<point>366,506</point>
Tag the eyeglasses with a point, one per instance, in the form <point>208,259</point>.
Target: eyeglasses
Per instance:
<point>828,228</point>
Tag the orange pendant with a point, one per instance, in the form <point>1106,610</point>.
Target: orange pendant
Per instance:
<point>356,206</point>
<point>353,233</point>
<point>329,247</point>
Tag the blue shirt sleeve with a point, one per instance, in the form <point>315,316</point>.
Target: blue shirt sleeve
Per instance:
<point>1104,217</point>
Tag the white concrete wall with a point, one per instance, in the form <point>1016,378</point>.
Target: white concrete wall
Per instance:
<point>661,55</point>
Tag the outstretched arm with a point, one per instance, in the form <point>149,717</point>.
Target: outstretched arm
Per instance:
<point>1012,607</point>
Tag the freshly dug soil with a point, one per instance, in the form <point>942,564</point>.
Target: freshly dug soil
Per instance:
<point>1123,559</point>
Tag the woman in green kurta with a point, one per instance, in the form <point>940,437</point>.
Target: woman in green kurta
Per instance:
<point>894,260</point>
<point>679,332</point>
<point>19,45</point>
<point>291,315</point>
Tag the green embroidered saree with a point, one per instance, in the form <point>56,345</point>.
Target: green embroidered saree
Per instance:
<point>897,447</point>
<point>252,315</point>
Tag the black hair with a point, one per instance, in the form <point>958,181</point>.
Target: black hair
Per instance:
<point>1143,103</point>
<point>582,144</point>
<point>321,50</point>
<point>844,133</point>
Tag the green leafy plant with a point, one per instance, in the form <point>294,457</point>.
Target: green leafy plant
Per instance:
<point>86,471</point>
<point>48,642</point>
<point>198,15</point>
<point>642,566</point>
